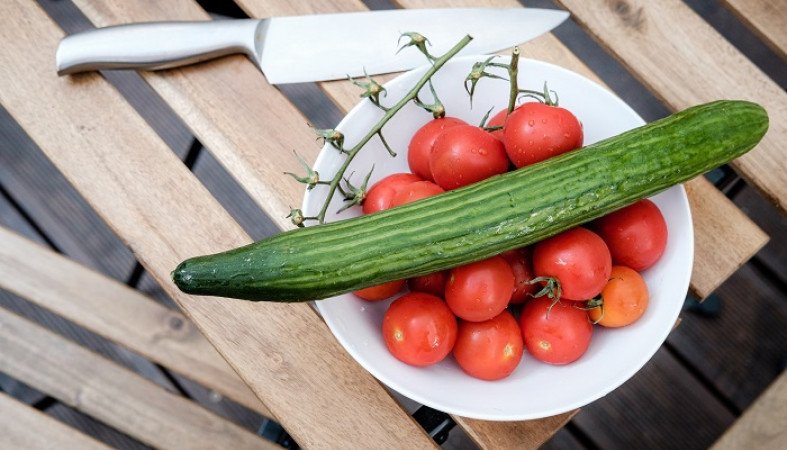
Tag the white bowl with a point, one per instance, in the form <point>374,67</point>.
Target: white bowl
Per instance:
<point>535,389</point>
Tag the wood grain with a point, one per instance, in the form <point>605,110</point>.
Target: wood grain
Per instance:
<point>684,62</point>
<point>22,426</point>
<point>110,393</point>
<point>718,223</point>
<point>284,352</point>
<point>766,18</point>
<point>118,313</point>
<point>762,425</point>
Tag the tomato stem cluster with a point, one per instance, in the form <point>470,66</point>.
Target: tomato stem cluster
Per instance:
<point>373,91</point>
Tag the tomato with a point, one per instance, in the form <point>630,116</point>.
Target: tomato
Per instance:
<point>380,195</point>
<point>434,283</point>
<point>489,350</point>
<point>381,291</point>
<point>498,120</point>
<point>623,300</point>
<point>481,290</point>
<point>555,332</point>
<point>535,131</point>
<point>422,142</point>
<point>578,258</point>
<point>520,261</point>
<point>636,235</point>
<point>466,154</point>
<point>419,329</point>
<point>415,191</point>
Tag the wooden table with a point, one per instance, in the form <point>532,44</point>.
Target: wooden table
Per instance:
<point>289,366</point>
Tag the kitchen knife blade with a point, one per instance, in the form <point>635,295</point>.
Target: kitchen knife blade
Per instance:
<point>308,48</point>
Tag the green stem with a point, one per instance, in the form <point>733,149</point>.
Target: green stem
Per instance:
<point>513,69</point>
<point>389,113</point>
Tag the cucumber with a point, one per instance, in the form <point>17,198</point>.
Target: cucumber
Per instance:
<point>484,219</point>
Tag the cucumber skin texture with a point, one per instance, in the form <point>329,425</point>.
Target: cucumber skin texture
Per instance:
<point>484,219</point>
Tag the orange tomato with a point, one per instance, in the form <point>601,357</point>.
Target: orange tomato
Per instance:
<point>623,299</point>
<point>381,291</point>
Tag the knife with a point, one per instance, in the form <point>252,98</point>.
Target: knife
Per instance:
<point>309,48</point>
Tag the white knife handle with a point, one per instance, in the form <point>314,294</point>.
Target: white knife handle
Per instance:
<point>155,45</point>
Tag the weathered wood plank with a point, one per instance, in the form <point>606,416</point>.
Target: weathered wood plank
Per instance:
<point>116,312</point>
<point>48,199</point>
<point>672,51</point>
<point>110,393</point>
<point>762,425</point>
<point>22,426</point>
<point>767,18</point>
<point>135,183</point>
<point>718,223</point>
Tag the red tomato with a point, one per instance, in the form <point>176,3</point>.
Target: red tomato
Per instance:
<point>422,142</point>
<point>489,350</point>
<point>415,191</point>
<point>623,300</point>
<point>578,258</point>
<point>381,194</point>
<point>498,120</point>
<point>520,261</point>
<point>419,329</point>
<point>481,290</point>
<point>434,283</point>
<point>555,333</point>
<point>465,154</point>
<point>536,131</point>
<point>381,291</point>
<point>636,235</point>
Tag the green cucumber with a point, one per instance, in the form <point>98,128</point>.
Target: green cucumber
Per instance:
<point>483,219</point>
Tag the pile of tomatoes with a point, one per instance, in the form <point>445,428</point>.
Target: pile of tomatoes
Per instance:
<point>544,299</point>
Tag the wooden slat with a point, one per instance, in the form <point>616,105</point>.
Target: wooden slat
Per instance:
<point>111,393</point>
<point>513,435</point>
<point>22,426</point>
<point>718,223</point>
<point>284,352</point>
<point>684,61</point>
<point>762,426</point>
<point>118,313</point>
<point>767,18</point>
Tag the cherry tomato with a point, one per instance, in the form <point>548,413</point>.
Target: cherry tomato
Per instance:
<point>555,332</point>
<point>578,258</point>
<point>381,194</point>
<point>381,291</point>
<point>636,235</point>
<point>498,120</point>
<point>481,290</point>
<point>623,300</point>
<point>521,264</point>
<point>419,329</point>
<point>415,191</point>
<point>434,283</point>
<point>466,154</point>
<point>489,350</point>
<point>422,142</point>
<point>536,131</point>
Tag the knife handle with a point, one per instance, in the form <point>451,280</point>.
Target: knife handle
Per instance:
<point>157,45</point>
